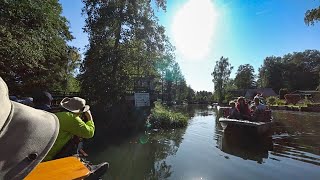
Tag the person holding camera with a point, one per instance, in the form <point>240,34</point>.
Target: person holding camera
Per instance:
<point>75,121</point>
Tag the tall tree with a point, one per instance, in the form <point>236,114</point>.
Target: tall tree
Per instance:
<point>270,73</point>
<point>221,74</point>
<point>298,70</point>
<point>125,41</point>
<point>245,77</point>
<point>312,16</point>
<point>33,50</point>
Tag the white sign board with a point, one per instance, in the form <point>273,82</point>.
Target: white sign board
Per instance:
<point>142,99</point>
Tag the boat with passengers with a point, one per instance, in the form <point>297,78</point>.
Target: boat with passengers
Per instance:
<point>259,122</point>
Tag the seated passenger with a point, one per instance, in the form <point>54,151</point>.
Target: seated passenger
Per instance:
<point>42,100</point>
<point>258,110</point>
<point>258,105</point>
<point>233,112</point>
<point>243,109</point>
<point>71,124</point>
<point>26,136</point>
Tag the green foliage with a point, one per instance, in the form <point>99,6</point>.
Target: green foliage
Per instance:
<point>312,16</point>
<point>299,70</point>
<point>245,77</point>
<point>33,49</point>
<point>173,84</point>
<point>162,117</point>
<point>221,74</point>
<point>73,85</point>
<point>283,92</point>
<point>272,100</point>
<point>203,97</point>
<point>126,42</point>
<point>280,102</point>
<point>306,101</point>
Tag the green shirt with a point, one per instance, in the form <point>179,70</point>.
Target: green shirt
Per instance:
<point>70,125</point>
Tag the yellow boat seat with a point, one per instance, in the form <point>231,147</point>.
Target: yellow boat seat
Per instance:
<point>64,168</point>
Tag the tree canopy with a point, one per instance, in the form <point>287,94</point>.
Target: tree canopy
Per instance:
<point>33,50</point>
<point>298,70</point>
<point>312,16</point>
<point>221,74</point>
<point>245,77</point>
<point>126,42</point>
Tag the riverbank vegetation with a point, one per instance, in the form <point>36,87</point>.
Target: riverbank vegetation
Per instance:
<point>293,71</point>
<point>164,118</point>
<point>127,45</point>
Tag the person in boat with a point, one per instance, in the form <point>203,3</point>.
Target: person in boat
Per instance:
<point>42,100</point>
<point>243,109</point>
<point>72,124</point>
<point>258,105</point>
<point>260,97</point>
<point>258,110</point>
<point>27,134</point>
<point>233,112</point>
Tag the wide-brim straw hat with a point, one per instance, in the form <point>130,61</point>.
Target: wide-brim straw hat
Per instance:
<point>26,136</point>
<point>75,104</point>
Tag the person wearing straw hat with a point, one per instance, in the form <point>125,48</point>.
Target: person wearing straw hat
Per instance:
<point>26,136</point>
<point>71,124</point>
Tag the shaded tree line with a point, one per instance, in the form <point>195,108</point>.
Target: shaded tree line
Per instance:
<point>33,51</point>
<point>293,71</point>
<point>298,70</point>
<point>125,42</point>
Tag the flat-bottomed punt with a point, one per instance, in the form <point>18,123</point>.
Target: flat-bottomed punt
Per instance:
<point>248,126</point>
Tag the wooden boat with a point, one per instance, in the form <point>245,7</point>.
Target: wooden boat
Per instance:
<point>67,168</point>
<point>248,126</point>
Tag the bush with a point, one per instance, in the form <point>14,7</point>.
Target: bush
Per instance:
<point>283,92</point>
<point>306,101</point>
<point>162,117</point>
<point>292,98</point>
<point>271,100</point>
<point>280,102</point>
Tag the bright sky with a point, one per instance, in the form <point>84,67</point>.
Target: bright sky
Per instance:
<point>245,31</point>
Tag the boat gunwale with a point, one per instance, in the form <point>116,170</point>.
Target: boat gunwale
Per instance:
<point>244,122</point>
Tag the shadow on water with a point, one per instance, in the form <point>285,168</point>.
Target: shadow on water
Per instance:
<point>141,156</point>
<point>203,150</point>
<point>245,147</point>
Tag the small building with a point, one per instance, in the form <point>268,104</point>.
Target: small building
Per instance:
<point>310,94</point>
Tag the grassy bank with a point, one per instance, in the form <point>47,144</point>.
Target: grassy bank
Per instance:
<point>163,118</point>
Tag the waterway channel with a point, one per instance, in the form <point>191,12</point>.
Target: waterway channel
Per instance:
<point>203,151</point>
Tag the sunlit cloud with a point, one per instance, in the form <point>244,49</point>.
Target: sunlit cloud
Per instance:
<point>193,28</point>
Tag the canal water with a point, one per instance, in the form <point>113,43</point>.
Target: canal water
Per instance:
<point>203,151</point>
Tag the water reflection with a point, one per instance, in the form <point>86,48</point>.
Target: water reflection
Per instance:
<point>297,136</point>
<point>204,150</point>
<point>246,147</point>
<point>132,159</point>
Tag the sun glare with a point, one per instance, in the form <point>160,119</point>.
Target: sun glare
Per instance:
<point>193,28</point>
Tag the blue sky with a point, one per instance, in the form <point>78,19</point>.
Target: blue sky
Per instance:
<point>245,31</point>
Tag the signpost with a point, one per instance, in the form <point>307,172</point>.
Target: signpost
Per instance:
<point>142,99</point>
